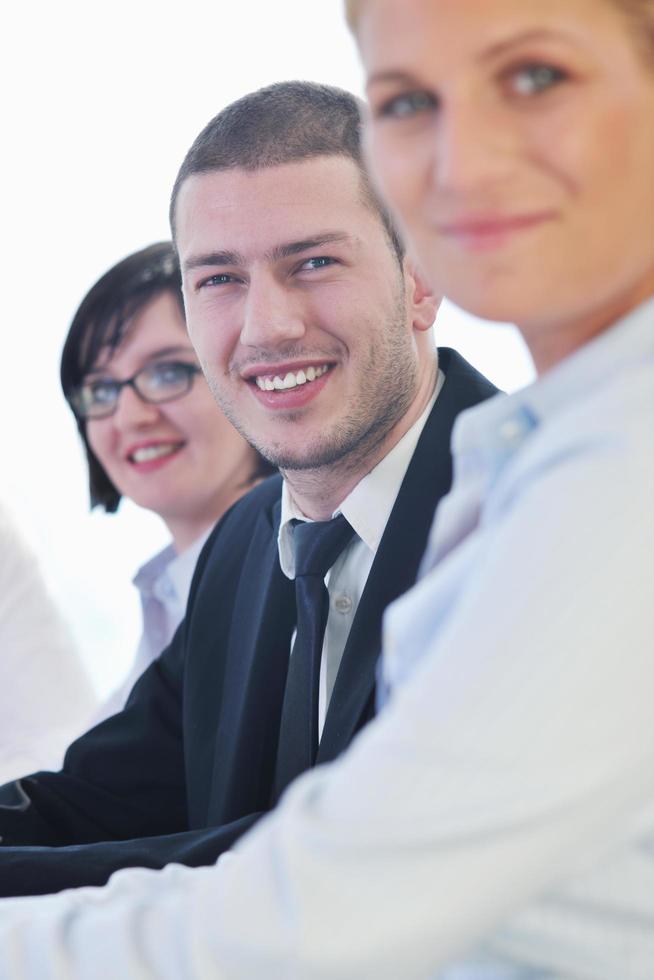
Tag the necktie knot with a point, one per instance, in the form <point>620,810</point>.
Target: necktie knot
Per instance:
<point>318,544</point>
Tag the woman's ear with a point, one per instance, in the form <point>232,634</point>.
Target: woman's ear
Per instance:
<point>424,303</point>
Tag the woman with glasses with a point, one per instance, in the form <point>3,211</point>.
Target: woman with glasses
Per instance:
<point>151,429</point>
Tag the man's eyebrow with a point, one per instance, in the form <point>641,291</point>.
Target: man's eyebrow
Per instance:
<point>282,251</point>
<point>288,249</point>
<point>204,259</point>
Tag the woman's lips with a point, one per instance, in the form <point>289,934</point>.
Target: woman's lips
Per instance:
<point>152,456</point>
<point>478,233</point>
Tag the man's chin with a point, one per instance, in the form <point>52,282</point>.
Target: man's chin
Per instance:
<point>293,459</point>
<point>345,451</point>
<point>294,462</point>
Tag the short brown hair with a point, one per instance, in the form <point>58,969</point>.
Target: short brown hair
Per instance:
<point>283,123</point>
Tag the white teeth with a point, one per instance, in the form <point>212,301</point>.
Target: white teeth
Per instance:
<point>291,379</point>
<point>147,453</point>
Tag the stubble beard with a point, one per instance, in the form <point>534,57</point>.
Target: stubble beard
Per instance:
<point>388,382</point>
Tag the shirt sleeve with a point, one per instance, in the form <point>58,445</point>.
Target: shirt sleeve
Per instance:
<point>45,696</point>
<point>517,754</point>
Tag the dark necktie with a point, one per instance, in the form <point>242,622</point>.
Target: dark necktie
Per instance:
<point>317,545</point>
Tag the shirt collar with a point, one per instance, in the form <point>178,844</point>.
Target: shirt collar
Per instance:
<point>177,568</point>
<point>368,506</point>
<point>183,565</point>
<point>499,426</point>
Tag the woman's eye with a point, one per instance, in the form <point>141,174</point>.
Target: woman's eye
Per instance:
<point>406,105</point>
<point>535,79</point>
<point>102,391</point>
<point>165,374</point>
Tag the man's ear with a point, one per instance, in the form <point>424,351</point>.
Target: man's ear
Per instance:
<point>423,302</point>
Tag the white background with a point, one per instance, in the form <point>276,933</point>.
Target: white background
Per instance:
<point>101,102</point>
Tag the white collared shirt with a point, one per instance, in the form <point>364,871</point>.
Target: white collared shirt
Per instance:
<point>163,584</point>
<point>367,509</point>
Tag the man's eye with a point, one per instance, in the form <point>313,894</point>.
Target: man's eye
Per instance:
<point>406,105</point>
<point>219,279</point>
<point>318,262</point>
<point>535,79</point>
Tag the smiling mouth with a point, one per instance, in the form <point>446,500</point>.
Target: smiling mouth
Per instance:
<point>146,454</point>
<point>490,229</point>
<point>291,379</point>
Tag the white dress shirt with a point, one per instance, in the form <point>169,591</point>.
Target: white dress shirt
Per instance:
<point>496,820</point>
<point>367,509</point>
<point>45,695</point>
<point>163,585</point>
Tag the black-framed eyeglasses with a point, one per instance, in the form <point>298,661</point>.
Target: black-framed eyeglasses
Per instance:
<point>161,381</point>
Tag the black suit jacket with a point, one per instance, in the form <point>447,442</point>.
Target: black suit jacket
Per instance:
<point>188,765</point>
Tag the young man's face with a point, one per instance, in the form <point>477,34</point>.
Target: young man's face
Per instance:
<point>298,309</point>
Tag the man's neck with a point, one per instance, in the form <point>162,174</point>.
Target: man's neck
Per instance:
<point>319,492</point>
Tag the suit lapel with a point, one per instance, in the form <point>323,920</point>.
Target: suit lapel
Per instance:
<point>395,568</point>
<point>255,675</point>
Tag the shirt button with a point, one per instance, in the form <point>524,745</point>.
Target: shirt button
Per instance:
<point>342,604</point>
<point>516,428</point>
<point>511,430</point>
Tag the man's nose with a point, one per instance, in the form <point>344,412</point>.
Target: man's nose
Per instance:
<point>272,315</point>
<point>132,411</point>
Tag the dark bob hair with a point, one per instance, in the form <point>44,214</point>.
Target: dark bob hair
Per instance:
<point>100,323</point>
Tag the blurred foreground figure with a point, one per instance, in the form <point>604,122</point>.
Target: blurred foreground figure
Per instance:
<point>45,696</point>
<point>497,819</point>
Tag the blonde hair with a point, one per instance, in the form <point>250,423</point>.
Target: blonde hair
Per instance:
<point>639,12</point>
<point>352,10</point>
